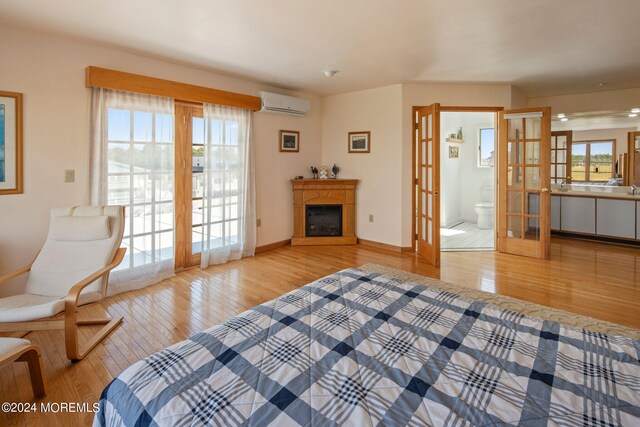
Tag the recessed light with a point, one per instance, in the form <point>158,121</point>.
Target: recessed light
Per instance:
<point>330,73</point>
<point>635,110</point>
<point>633,115</point>
<point>564,119</point>
<point>602,84</point>
<point>561,116</point>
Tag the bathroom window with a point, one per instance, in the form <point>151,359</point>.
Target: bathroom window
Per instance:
<point>592,161</point>
<point>486,147</point>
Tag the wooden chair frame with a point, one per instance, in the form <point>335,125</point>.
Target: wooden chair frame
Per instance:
<point>31,355</point>
<point>68,320</point>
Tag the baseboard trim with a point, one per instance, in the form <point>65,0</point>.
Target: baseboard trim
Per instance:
<point>274,245</point>
<point>384,246</point>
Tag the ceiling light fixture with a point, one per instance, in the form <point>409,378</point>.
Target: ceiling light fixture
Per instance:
<point>564,119</point>
<point>635,110</point>
<point>561,116</point>
<point>602,84</point>
<point>633,115</point>
<point>330,73</point>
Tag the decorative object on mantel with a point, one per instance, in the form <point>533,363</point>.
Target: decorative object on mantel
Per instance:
<point>324,212</point>
<point>324,172</point>
<point>454,152</point>
<point>299,177</point>
<point>459,135</point>
<point>335,169</point>
<point>10,143</point>
<point>289,141</point>
<point>360,142</point>
<point>314,172</point>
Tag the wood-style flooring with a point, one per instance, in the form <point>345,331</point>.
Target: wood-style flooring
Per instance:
<point>592,279</point>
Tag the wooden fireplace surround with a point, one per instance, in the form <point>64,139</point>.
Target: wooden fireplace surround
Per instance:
<point>324,192</point>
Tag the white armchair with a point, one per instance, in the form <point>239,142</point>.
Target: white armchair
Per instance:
<point>71,270</point>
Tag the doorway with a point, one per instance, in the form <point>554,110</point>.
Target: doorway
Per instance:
<point>521,194</point>
<point>468,178</point>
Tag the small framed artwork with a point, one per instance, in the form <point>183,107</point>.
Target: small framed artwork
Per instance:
<point>454,152</point>
<point>360,142</point>
<point>10,143</point>
<point>289,141</point>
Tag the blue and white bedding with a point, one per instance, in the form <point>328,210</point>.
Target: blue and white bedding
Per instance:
<point>358,348</point>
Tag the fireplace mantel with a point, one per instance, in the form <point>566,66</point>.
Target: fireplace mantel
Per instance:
<point>324,192</point>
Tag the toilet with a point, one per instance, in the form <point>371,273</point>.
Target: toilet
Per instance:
<point>485,208</point>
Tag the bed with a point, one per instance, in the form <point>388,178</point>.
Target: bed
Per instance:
<point>362,348</point>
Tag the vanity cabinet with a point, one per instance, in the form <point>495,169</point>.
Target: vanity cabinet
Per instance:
<point>555,212</point>
<point>578,214</point>
<point>615,218</point>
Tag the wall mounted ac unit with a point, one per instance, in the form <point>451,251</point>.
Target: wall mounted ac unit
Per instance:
<point>276,103</point>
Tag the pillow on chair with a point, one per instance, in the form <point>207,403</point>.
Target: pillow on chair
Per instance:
<point>79,228</point>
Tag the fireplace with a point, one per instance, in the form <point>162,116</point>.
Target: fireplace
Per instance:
<point>324,211</point>
<point>323,220</point>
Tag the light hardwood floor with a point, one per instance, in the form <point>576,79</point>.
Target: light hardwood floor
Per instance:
<point>592,279</point>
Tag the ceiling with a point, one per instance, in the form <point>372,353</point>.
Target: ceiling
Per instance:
<point>543,47</point>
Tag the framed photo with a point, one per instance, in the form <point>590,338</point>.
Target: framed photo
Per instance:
<point>454,152</point>
<point>360,142</point>
<point>10,143</point>
<point>289,141</point>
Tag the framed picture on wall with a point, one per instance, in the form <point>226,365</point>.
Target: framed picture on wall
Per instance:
<point>360,142</point>
<point>289,141</point>
<point>10,143</point>
<point>454,152</point>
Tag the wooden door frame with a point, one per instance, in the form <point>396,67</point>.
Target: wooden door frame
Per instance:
<point>630,166</point>
<point>414,171</point>
<point>184,113</point>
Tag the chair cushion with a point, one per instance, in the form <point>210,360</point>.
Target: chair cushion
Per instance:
<point>9,344</point>
<point>79,228</point>
<point>63,263</point>
<point>26,307</point>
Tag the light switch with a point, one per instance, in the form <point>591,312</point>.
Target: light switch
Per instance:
<point>258,222</point>
<point>370,217</point>
<point>69,175</point>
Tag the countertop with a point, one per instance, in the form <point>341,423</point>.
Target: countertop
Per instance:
<point>599,191</point>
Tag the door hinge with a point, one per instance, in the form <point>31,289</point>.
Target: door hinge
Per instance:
<point>416,236</point>
<point>416,181</point>
<point>416,126</point>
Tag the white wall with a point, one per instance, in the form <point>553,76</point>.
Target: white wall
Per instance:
<point>450,172</point>
<point>473,178</point>
<point>49,71</point>
<point>380,112</point>
<point>461,179</point>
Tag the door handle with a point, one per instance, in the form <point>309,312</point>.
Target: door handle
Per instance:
<point>544,190</point>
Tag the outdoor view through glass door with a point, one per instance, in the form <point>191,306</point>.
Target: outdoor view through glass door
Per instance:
<point>524,180</point>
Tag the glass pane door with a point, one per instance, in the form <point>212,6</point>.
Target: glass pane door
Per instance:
<point>428,193</point>
<point>561,157</point>
<point>524,181</point>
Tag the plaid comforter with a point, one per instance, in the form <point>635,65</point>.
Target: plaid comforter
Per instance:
<point>357,348</point>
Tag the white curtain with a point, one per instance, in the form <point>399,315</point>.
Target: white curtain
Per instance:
<point>132,164</point>
<point>228,204</point>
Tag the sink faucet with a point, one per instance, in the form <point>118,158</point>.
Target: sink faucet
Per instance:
<point>633,190</point>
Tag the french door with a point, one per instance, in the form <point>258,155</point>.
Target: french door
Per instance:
<point>428,179</point>
<point>189,184</point>
<point>524,152</point>
<point>561,156</point>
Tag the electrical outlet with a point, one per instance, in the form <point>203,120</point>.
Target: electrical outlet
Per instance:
<point>69,175</point>
<point>370,217</point>
<point>258,222</point>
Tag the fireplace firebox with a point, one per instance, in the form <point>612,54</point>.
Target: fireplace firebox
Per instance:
<point>323,220</point>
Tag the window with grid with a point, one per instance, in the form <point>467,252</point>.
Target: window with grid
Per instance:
<point>140,176</point>
<point>592,161</point>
